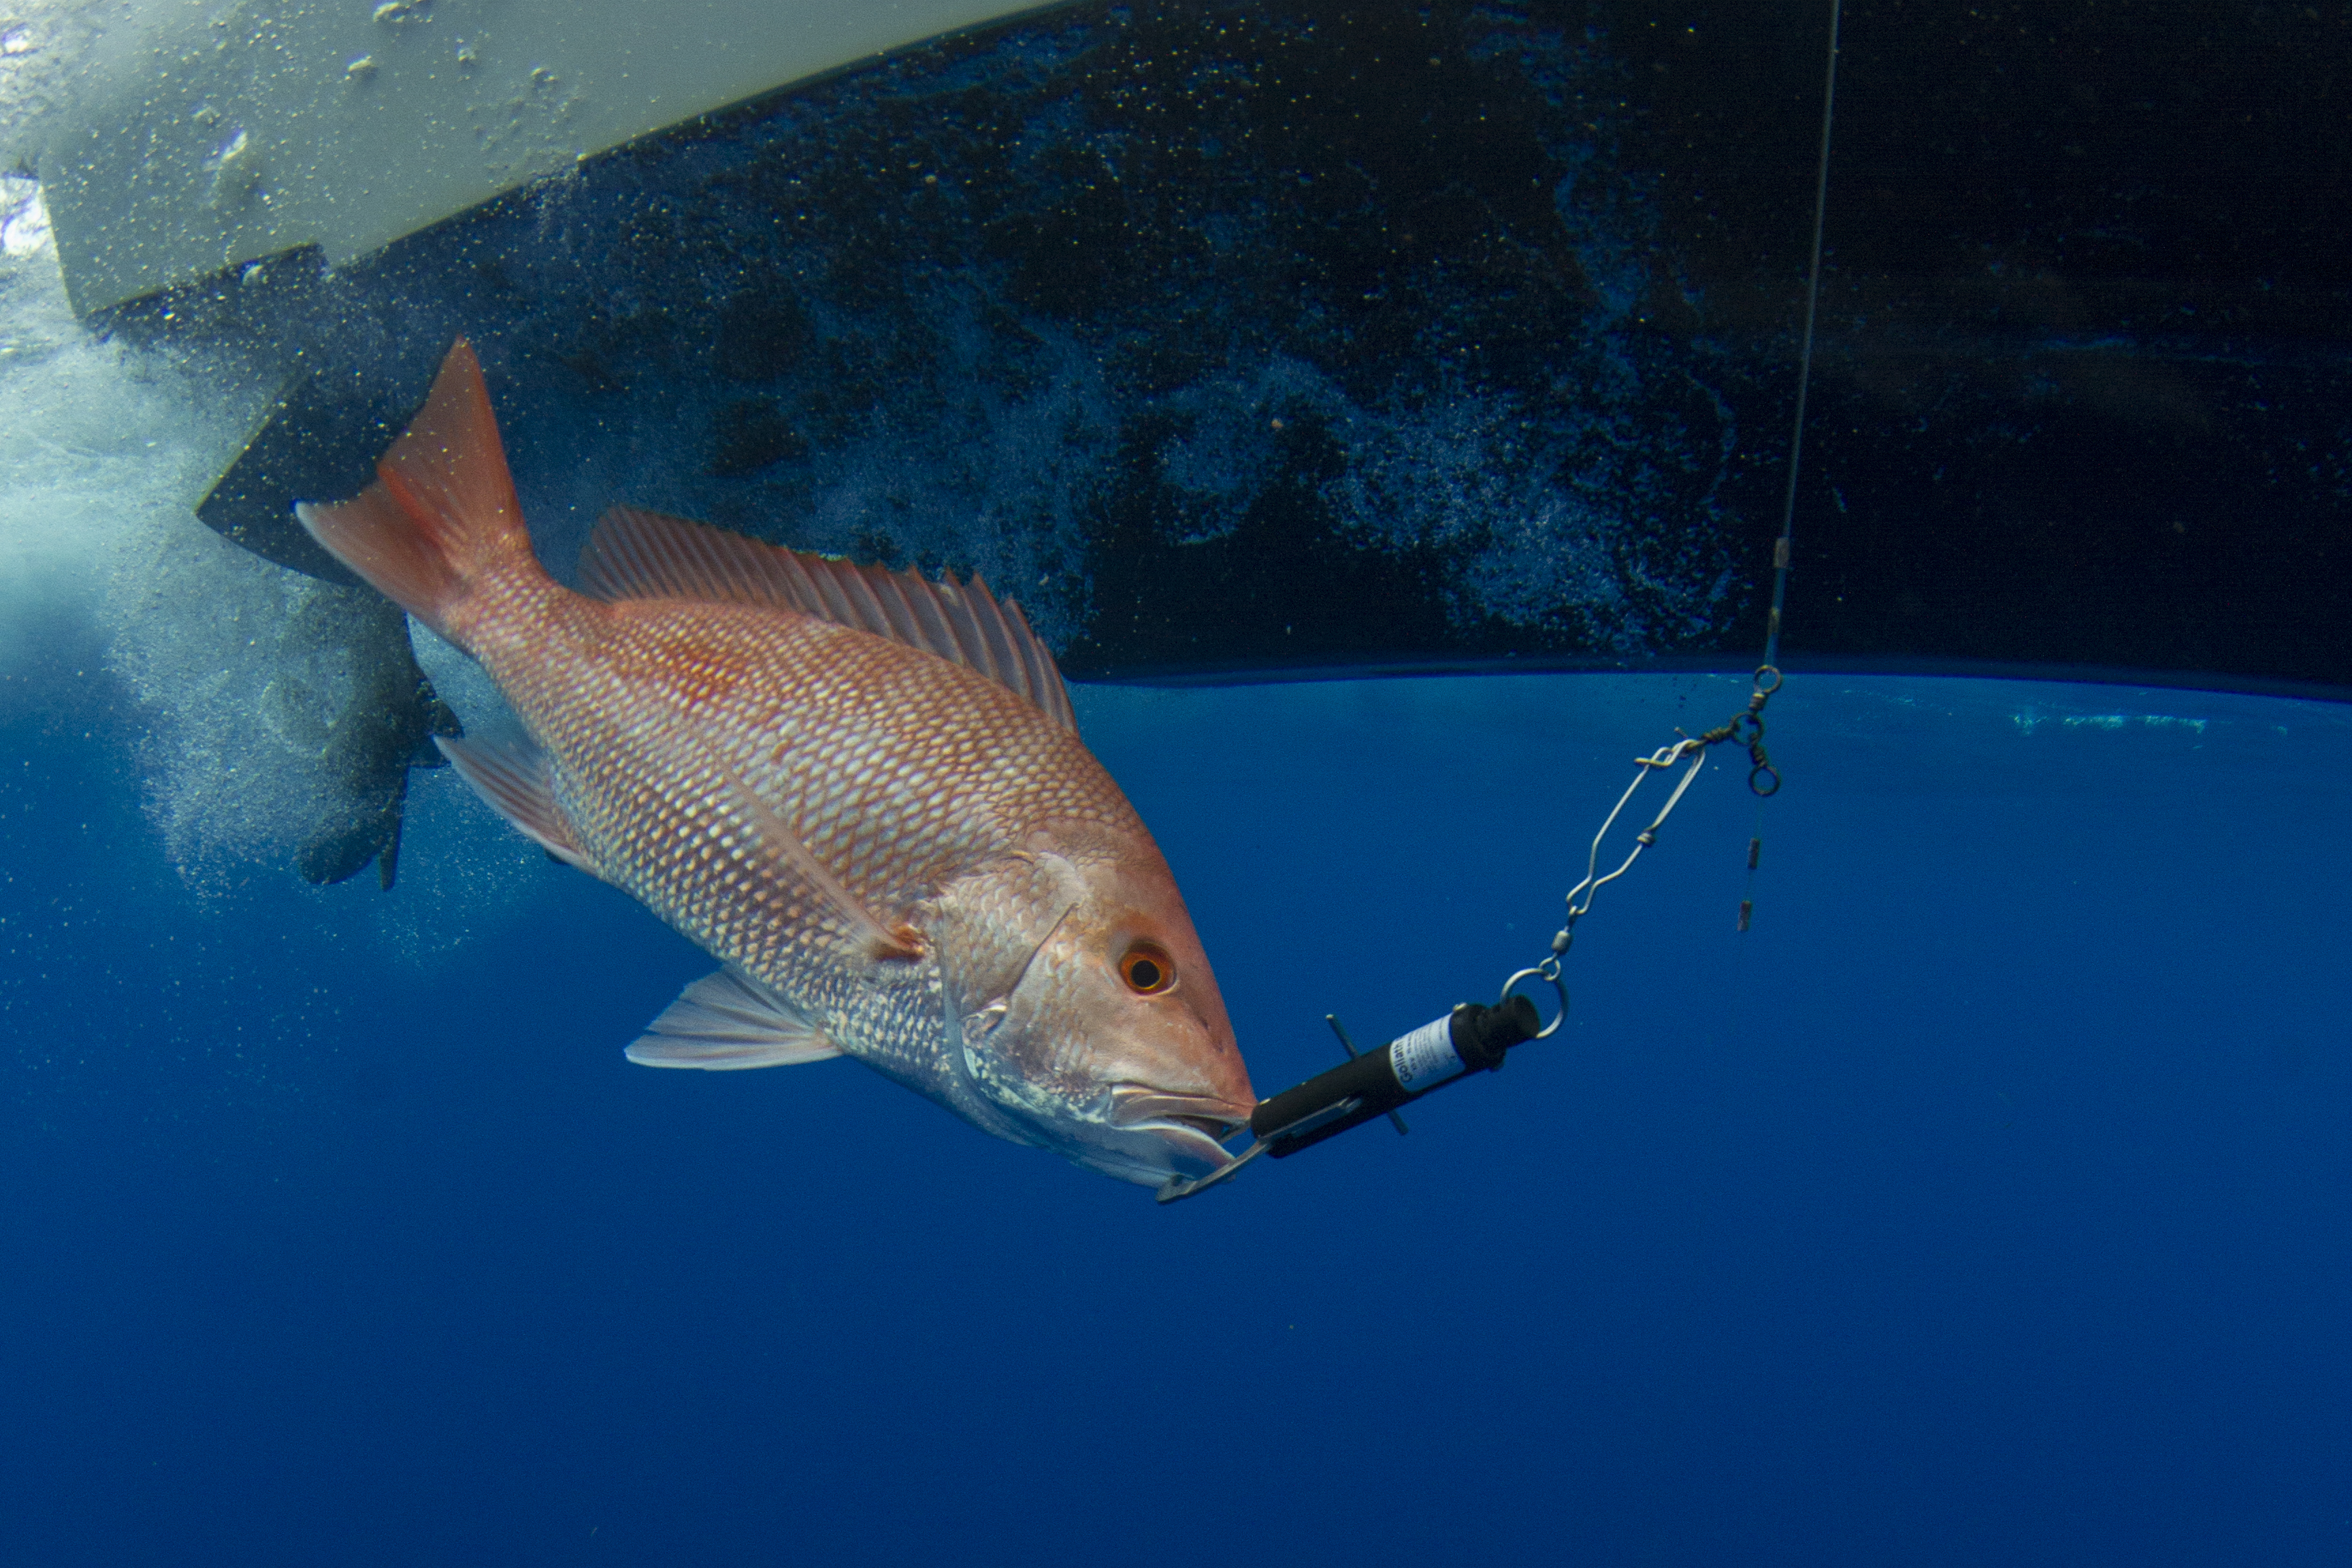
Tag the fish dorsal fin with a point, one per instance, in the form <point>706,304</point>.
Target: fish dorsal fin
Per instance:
<point>514,779</point>
<point>638,554</point>
<point>719,1024</point>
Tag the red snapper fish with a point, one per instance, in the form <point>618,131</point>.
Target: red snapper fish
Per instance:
<point>863,793</point>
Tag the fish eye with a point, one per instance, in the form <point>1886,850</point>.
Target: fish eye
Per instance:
<point>1147,969</point>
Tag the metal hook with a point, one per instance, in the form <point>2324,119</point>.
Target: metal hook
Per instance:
<point>1177,1188</point>
<point>1558,984</point>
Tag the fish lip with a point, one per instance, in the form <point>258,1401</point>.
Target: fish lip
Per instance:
<point>1136,1107</point>
<point>1193,1127</point>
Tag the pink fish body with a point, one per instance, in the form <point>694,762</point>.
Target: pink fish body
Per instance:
<point>863,793</point>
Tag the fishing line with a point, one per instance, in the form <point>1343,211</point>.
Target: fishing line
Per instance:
<point>1780,546</point>
<point>1805,353</point>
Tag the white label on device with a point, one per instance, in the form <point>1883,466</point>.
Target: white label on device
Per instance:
<point>1425,1059</point>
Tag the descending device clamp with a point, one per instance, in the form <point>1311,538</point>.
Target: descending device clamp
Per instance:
<point>1474,1037</point>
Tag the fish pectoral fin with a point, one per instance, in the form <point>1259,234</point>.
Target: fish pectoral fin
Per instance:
<point>798,866</point>
<point>513,777</point>
<point>719,1024</point>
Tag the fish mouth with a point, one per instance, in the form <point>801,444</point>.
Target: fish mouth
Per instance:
<point>1194,1125</point>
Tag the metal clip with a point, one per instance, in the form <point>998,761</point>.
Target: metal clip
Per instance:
<point>1558,984</point>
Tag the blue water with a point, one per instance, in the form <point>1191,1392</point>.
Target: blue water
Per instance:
<point>1988,1202</point>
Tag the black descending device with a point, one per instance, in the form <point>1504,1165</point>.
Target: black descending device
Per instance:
<point>1470,1039</point>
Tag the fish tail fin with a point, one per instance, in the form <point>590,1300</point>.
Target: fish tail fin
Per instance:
<point>442,515</point>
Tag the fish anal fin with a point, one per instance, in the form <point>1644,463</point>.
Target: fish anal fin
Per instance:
<point>721,1023</point>
<point>515,782</point>
<point>639,554</point>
